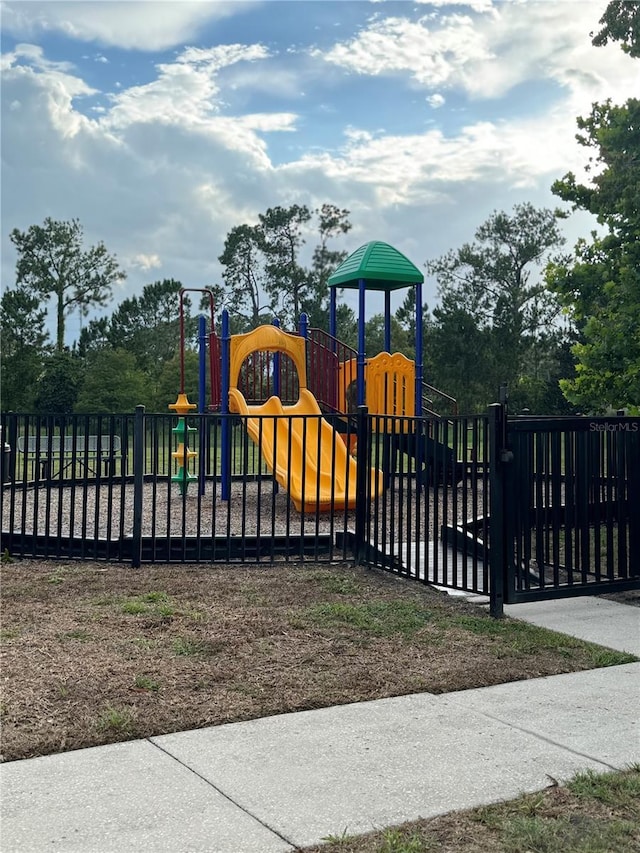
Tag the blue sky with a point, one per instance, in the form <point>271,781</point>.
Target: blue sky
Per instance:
<point>161,125</point>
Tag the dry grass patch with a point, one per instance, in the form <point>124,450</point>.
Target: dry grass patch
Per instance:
<point>95,653</point>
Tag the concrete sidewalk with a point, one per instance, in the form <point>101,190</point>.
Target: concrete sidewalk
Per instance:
<point>283,782</point>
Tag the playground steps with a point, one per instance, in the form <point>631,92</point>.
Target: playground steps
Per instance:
<point>438,463</point>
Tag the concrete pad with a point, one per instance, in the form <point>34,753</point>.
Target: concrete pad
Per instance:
<point>125,797</point>
<point>595,714</point>
<point>440,564</point>
<point>360,767</point>
<point>608,623</point>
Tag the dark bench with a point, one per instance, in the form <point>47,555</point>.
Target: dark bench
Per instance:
<point>47,450</point>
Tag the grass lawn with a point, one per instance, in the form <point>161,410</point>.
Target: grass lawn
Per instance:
<point>96,653</point>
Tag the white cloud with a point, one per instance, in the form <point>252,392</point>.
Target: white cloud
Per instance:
<point>436,100</point>
<point>485,56</point>
<point>144,25</point>
<point>185,92</point>
<point>146,262</point>
<point>162,171</point>
<point>475,5</point>
<point>431,56</point>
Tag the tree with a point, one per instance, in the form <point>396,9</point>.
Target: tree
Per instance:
<point>487,288</point>
<point>244,262</point>
<point>57,389</point>
<point>332,222</point>
<point>112,383</point>
<point>286,281</point>
<point>374,336</point>
<point>264,274</point>
<point>461,358</point>
<point>599,286</point>
<point>52,262</point>
<point>168,383</point>
<point>25,345</point>
<point>147,326</point>
<point>621,22</point>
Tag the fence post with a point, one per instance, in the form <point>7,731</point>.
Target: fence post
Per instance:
<point>497,522</point>
<point>138,485</point>
<point>362,472</point>
<point>225,426</point>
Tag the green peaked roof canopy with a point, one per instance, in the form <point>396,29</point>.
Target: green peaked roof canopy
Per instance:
<point>380,265</point>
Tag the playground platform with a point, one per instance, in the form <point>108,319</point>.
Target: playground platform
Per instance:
<point>281,783</point>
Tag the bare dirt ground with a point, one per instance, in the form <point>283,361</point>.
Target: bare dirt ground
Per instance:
<point>95,653</point>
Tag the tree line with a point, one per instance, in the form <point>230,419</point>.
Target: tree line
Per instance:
<point>560,328</point>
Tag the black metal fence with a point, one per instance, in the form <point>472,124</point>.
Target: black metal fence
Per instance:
<point>573,501</point>
<point>511,508</point>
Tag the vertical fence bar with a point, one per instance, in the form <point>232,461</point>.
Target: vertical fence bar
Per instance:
<point>362,472</point>
<point>498,554</point>
<point>138,485</point>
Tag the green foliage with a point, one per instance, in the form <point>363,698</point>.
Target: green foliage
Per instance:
<point>25,343</point>
<point>461,358</point>
<point>379,619</point>
<point>287,282</point>
<point>195,647</point>
<point>156,604</point>
<point>57,388</point>
<point>167,384</point>
<point>144,682</point>
<point>612,789</point>
<point>599,286</point>
<point>243,259</point>
<point>374,336</point>
<point>332,223</point>
<point>112,383</point>
<point>263,272</point>
<point>496,323</point>
<point>621,22</point>
<point>147,328</point>
<point>53,263</point>
<point>117,721</point>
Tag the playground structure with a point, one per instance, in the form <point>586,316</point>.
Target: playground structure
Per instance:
<point>305,453</point>
<point>518,508</point>
<point>322,381</point>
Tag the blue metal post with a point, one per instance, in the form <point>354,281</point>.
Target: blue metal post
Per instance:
<point>225,463</point>
<point>387,321</point>
<point>333,320</point>
<point>361,352</point>
<point>303,326</point>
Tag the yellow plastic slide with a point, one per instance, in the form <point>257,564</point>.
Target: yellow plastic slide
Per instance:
<point>308,457</point>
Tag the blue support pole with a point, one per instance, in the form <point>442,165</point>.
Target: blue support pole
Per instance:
<point>303,326</point>
<point>225,462</point>
<point>361,351</point>
<point>387,321</point>
<point>333,311</point>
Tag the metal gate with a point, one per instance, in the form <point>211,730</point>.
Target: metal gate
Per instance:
<point>431,522</point>
<point>571,511</point>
